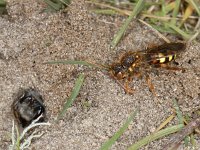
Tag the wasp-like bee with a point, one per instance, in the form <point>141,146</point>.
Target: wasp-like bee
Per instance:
<point>28,106</point>
<point>136,64</point>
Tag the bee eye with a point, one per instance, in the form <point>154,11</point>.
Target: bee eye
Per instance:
<point>128,61</point>
<point>118,68</point>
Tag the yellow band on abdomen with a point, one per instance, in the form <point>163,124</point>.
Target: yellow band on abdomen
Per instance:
<point>162,60</point>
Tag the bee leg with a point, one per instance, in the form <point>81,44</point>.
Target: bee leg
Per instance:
<point>150,85</point>
<point>138,75</point>
<point>166,66</point>
<point>126,87</point>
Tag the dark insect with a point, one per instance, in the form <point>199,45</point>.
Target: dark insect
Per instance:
<point>137,64</point>
<point>28,106</point>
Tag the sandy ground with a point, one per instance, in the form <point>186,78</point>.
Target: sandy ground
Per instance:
<point>28,38</point>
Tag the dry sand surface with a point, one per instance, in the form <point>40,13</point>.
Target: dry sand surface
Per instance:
<point>29,37</point>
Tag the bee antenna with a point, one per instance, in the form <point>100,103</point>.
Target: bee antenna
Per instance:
<point>106,67</point>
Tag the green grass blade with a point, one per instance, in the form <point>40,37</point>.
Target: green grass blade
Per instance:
<point>156,136</point>
<point>73,96</point>
<point>170,7</point>
<point>179,31</point>
<point>2,3</point>
<point>56,6</point>
<point>175,11</point>
<point>178,112</point>
<point>134,13</point>
<point>163,8</point>
<point>66,2</point>
<point>3,9</point>
<point>187,139</point>
<point>164,13</point>
<point>104,11</point>
<point>193,142</point>
<point>195,5</point>
<point>117,10</point>
<point>181,119</point>
<point>112,140</point>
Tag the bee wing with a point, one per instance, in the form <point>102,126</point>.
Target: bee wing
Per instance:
<point>168,48</point>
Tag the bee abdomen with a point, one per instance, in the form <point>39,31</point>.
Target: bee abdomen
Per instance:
<point>161,59</point>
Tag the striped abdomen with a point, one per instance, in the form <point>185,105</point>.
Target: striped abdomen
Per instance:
<point>164,53</point>
<point>160,58</point>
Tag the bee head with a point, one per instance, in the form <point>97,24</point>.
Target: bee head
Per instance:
<point>127,61</point>
<point>118,71</point>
